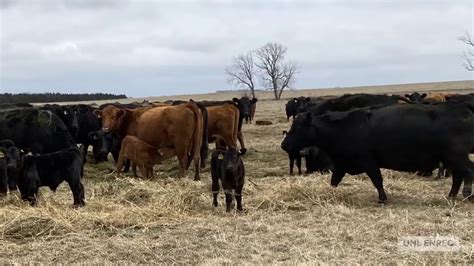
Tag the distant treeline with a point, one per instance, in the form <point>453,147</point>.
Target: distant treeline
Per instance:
<point>56,97</point>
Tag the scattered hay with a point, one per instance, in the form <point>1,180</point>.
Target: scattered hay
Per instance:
<point>26,227</point>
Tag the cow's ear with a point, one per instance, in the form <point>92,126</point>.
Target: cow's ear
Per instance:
<point>235,100</point>
<point>98,113</point>
<point>423,95</point>
<point>307,99</point>
<point>121,113</point>
<point>254,100</point>
<point>407,95</point>
<point>295,100</point>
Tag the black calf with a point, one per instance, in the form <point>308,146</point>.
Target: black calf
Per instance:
<point>51,170</point>
<point>11,157</point>
<point>227,165</point>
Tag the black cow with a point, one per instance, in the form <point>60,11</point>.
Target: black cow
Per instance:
<point>316,160</point>
<point>3,174</point>
<point>51,170</point>
<point>89,124</point>
<point>398,137</point>
<point>294,156</point>
<point>245,107</point>
<point>295,106</point>
<point>351,101</point>
<point>68,114</point>
<point>35,130</point>
<point>228,167</point>
<point>12,157</point>
<point>107,143</point>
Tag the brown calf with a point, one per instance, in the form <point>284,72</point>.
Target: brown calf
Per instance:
<point>140,153</point>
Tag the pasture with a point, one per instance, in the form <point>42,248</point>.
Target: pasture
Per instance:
<point>289,219</point>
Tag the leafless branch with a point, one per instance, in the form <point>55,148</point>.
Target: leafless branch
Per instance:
<point>241,72</point>
<point>275,73</point>
<point>469,54</point>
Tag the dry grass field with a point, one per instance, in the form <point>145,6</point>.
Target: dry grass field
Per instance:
<point>287,219</point>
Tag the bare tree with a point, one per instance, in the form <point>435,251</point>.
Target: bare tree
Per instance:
<point>241,72</point>
<point>276,73</point>
<point>469,54</point>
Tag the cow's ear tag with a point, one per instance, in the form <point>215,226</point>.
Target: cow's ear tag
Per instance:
<point>2,155</point>
<point>220,157</point>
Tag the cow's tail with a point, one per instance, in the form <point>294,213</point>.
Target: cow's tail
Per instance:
<point>237,126</point>
<point>197,138</point>
<point>205,142</point>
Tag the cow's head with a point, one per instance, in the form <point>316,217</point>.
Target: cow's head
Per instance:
<point>415,97</point>
<point>101,140</point>
<point>112,118</point>
<point>231,160</point>
<point>70,116</point>
<point>303,103</point>
<point>10,153</point>
<point>245,105</point>
<point>29,181</point>
<point>299,134</point>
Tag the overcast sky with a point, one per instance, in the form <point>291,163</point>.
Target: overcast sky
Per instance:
<point>152,48</point>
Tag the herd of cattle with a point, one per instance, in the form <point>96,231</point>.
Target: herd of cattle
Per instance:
<point>39,145</point>
<point>354,133</point>
<point>362,133</point>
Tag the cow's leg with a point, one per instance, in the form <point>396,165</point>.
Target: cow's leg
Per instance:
<point>134,169</point>
<point>337,176</point>
<point>298,164</point>
<point>461,171</point>
<point>292,163</point>
<point>467,189</point>
<point>181,153</point>
<point>197,167</point>
<point>240,137</point>
<point>215,190</point>
<point>84,148</point>
<point>238,197</point>
<point>12,180</point>
<point>119,165</point>
<point>441,170</point>
<point>3,182</point>
<point>127,166</point>
<point>228,199</point>
<point>376,178</point>
<point>77,189</point>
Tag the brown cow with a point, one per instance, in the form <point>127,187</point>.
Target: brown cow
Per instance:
<point>140,153</point>
<point>178,127</point>
<point>223,123</point>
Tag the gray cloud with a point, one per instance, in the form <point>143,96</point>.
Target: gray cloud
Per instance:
<point>152,48</point>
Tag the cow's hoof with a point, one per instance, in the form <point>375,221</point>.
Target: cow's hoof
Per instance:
<point>243,151</point>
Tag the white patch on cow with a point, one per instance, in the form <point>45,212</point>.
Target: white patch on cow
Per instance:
<point>2,155</point>
<point>220,157</point>
<point>65,112</point>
